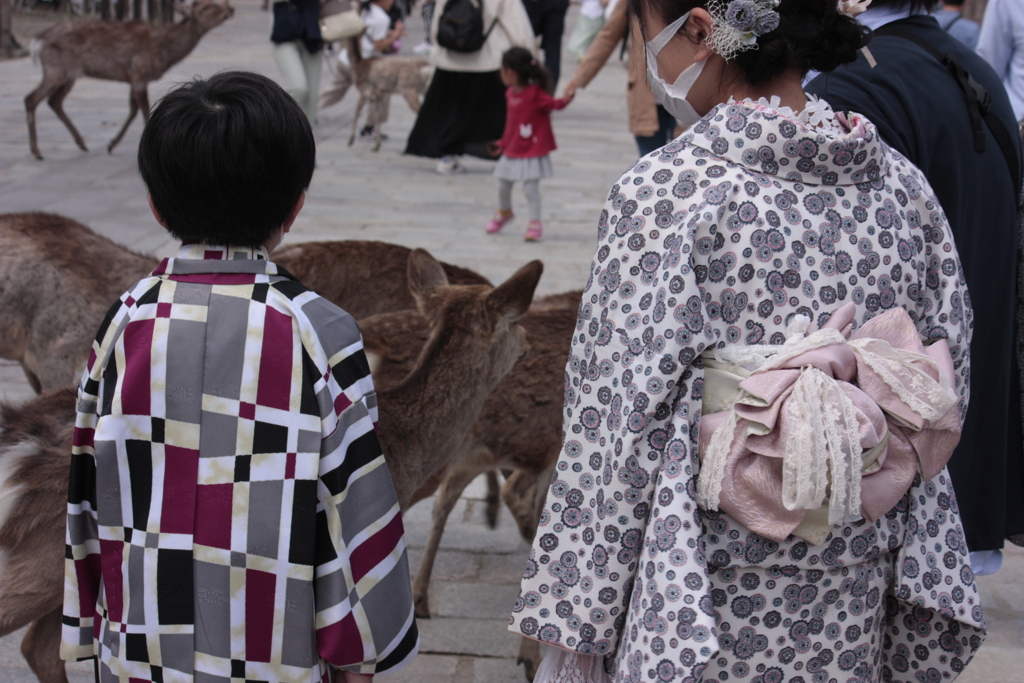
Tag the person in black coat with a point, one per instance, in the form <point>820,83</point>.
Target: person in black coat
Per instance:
<point>548,20</point>
<point>921,110</point>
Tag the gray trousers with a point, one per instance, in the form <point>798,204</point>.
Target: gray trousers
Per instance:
<point>531,188</point>
<point>300,72</point>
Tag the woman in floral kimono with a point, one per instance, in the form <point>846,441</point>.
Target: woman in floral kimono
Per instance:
<point>781,271</point>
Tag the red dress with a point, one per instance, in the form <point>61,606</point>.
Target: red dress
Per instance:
<point>528,122</point>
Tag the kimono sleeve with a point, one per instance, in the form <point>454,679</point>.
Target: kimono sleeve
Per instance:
<point>364,606</point>
<point>934,593</point>
<point>82,567</point>
<point>621,499</point>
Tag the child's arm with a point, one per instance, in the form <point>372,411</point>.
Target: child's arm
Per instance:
<point>83,573</point>
<point>546,102</point>
<point>364,619</point>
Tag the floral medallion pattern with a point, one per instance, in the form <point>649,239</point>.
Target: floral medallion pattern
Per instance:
<point>719,238</point>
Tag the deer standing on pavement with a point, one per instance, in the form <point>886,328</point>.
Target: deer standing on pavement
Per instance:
<point>519,428</point>
<point>473,340</point>
<point>58,278</point>
<point>377,79</point>
<point>129,51</point>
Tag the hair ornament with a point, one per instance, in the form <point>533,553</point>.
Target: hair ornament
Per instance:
<point>533,62</point>
<point>737,24</point>
<point>852,8</point>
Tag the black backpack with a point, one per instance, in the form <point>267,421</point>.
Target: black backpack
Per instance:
<point>461,27</point>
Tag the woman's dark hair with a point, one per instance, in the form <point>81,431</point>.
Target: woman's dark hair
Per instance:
<point>226,159</point>
<point>812,35</point>
<point>528,70</point>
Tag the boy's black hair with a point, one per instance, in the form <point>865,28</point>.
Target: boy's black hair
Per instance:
<point>225,159</point>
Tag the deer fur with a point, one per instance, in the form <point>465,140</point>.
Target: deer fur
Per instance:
<point>473,340</point>
<point>57,280</point>
<point>133,52</point>
<point>377,79</point>
<point>520,424</point>
<point>364,278</point>
<point>35,453</point>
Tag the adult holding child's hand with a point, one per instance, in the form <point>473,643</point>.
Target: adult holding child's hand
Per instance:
<point>464,108</point>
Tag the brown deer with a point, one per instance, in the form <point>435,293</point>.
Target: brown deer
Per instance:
<point>519,428</point>
<point>35,453</point>
<point>58,278</point>
<point>133,52</point>
<point>377,79</point>
<point>473,341</point>
<point>365,278</point>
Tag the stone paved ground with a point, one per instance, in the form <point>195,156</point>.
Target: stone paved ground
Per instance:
<point>360,194</point>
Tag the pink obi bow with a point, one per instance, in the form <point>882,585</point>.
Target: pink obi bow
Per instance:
<point>828,429</point>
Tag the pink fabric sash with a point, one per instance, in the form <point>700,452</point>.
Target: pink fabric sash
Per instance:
<point>831,428</point>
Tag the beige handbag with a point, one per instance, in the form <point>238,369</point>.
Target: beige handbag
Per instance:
<point>339,20</point>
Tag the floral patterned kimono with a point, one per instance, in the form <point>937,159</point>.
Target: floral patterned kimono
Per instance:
<point>720,240</point>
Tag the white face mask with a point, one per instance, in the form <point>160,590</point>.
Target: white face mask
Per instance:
<point>673,97</point>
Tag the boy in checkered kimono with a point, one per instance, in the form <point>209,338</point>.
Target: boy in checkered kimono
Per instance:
<point>230,515</point>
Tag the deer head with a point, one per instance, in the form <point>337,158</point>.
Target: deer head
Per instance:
<point>474,342</point>
<point>208,15</point>
<point>480,319</point>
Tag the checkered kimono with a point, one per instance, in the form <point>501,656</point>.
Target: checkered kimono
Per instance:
<point>230,515</point>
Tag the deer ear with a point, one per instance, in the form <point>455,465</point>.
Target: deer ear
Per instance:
<point>425,274</point>
<point>514,295</point>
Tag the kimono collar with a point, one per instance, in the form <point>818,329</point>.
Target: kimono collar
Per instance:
<point>204,258</point>
<point>775,141</point>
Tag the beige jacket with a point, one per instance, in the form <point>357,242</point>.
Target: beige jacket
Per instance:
<point>643,112</point>
<point>513,29</point>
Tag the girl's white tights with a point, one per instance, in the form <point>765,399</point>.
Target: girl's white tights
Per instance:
<point>531,188</point>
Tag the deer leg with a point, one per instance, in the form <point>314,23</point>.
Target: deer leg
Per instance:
<point>32,101</point>
<point>133,104</point>
<point>493,499</point>
<point>447,496</point>
<point>142,96</point>
<point>355,118</point>
<point>41,648</point>
<point>529,657</point>
<point>412,98</point>
<point>56,102</point>
<point>378,104</point>
<point>519,494</point>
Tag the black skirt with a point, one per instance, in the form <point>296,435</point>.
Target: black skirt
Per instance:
<point>461,114</point>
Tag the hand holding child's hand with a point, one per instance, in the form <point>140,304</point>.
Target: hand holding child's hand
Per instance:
<point>570,91</point>
<point>494,149</point>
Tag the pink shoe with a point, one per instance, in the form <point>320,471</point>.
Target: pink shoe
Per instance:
<point>533,232</point>
<point>498,221</point>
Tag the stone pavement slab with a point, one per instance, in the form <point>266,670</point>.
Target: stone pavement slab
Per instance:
<point>359,194</point>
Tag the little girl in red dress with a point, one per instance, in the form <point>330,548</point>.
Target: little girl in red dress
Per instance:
<point>528,138</point>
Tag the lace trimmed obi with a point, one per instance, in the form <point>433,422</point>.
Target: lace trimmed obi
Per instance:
<point>827,428</point>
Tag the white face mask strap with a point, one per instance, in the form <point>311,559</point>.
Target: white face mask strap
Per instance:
<point>668,33</point>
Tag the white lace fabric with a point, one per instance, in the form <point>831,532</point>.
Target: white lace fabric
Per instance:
<point>564,666</point>
<point>818,114</point>
<point>824,459</point>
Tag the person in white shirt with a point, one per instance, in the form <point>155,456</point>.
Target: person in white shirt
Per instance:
<point>588,25</point>
<point>1001,43</point>
<point>464,109</point>
<point>379,36</point>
